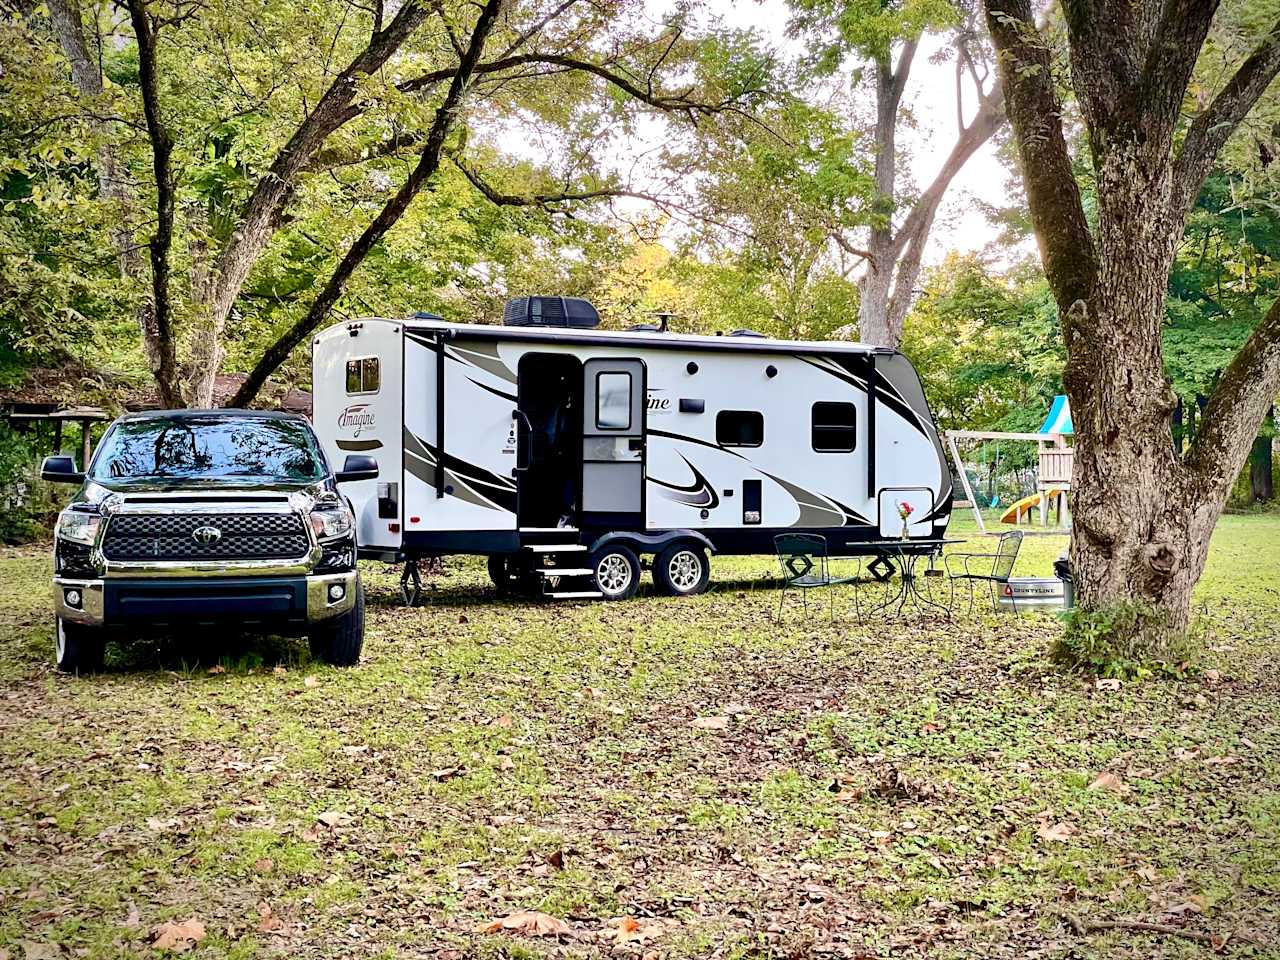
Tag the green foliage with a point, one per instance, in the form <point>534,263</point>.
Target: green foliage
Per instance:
<point>23,500</point>
<point>988,346</point>
<point>1126,640</point>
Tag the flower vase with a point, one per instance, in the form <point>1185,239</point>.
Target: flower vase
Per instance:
<point>904,529</point>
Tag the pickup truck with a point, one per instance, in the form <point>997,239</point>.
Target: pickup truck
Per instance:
<point>226,517</point>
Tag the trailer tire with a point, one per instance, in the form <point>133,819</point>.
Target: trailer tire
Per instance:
<point>338,642</point>
<point>615,568</point>
<point>78,648</point>
<point>681,569</point>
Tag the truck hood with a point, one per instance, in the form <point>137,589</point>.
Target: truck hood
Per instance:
<point>300,495</point>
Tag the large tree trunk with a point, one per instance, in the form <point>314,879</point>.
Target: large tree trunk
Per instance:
<point>1142,515</point>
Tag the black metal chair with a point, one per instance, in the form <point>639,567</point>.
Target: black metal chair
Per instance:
<point>993,569</point>
<point>806,566</point>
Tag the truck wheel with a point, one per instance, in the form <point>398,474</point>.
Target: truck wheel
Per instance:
<point>337,642</point>
<point>681,570</point>
<point>616,570</point>
<point>78,648</point>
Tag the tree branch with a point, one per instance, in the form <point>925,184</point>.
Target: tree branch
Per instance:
<point>1062,232</point>
<point>1236,409</point>
<point>1213,126</point>
<point>428,164</point>
<point>165,368</point>
<point>272,190</point>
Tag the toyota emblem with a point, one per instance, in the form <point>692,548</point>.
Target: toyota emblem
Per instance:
<point>206,536</point>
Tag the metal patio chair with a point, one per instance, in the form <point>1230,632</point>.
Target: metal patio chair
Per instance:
<point>806,566</point>
<point>993,569</point>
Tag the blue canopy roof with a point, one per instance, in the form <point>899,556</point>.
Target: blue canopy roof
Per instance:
<point>1059,418</point>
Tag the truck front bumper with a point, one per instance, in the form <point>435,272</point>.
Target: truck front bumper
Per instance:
<point>165,600</point>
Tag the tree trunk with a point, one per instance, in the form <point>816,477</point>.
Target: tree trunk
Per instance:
<point>874,287</point>
<point>1261,470</point>
<point>1141,530</point>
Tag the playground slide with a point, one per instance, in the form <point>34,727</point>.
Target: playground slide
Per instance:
<point>1024,506</point>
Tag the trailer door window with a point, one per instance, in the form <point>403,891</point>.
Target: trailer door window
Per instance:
<point>835,427</point>
<point>364,375</point>
<point>613,401</point>
<point>740,428</point>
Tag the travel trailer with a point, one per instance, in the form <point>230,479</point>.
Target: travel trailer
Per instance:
<point>566,453</point>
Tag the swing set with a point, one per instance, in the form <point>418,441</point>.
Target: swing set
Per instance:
<point>1053,475</point>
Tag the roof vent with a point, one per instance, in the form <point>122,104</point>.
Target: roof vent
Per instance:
<point>550,312</point>
<point>659,327</point>
<point>744,332</point>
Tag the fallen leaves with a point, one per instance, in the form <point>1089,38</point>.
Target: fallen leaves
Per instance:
<point>531,923</point>
<point>1108,781</point>
<point>177,935</point>
<point>268,922</point>
<point>1055,832</point>
<point>710,723</point>
<point>1106,683</point>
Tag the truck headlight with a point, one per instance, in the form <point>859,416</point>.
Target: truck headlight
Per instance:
<point>332,521</point>
<point>78,527</point>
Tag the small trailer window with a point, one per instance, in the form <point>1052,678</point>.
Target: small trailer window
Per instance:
<point>613,401</point>
<point>739,428</point>
<point>835,427</point>
<point>364,375</point>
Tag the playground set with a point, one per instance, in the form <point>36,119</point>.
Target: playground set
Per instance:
<point>1053,474</point>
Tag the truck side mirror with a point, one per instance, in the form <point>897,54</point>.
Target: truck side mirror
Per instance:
<point>357,466</point>
<point>62,470</point>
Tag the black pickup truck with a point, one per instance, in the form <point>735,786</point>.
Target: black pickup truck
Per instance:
<point>186,518</point>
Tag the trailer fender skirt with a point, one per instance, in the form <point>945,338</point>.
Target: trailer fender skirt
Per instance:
<point>653,542</point>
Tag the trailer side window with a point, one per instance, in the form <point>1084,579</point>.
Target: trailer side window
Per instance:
<point>613,401</point>
<point>835,427</point>
<point>740,428</point>
<point>364,375</point>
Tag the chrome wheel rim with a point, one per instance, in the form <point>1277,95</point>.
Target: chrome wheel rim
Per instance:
<point>684,570</point>
<point>613,574</point>
<point>59,641</point>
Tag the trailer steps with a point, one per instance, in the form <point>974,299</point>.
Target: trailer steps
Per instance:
<point>560,573</point>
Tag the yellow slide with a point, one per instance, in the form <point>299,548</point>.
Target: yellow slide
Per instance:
<point>1023,507</point>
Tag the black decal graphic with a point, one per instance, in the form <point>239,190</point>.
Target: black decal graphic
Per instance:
<point>699,494</point>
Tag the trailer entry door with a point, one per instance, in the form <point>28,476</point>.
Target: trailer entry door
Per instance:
<point>613,444</point>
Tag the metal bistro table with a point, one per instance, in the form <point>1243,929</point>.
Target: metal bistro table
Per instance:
<point>906,555</point>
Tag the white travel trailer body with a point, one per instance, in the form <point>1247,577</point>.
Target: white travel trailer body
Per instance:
<point>501,439</point>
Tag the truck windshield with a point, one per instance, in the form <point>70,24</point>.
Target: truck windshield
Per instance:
<point>217,447</point>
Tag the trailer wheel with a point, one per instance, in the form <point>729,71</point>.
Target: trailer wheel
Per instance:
<point>616,570</point>
<point>78,648</point>
<point>338,641</point>
<point>681,570</point>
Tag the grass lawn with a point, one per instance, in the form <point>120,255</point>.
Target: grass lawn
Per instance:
<point>735,787</point>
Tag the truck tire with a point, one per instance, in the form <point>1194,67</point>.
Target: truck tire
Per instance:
<point>616,571</point>
<point>78,648</point>
<point>338,642</point>
<point>681,569</point>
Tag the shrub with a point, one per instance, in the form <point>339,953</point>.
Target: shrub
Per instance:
<point>26,502</point>
<point>1126,640</point>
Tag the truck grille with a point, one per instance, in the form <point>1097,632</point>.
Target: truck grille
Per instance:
<point>241,536</point>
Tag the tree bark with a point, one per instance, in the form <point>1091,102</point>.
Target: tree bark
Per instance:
<point>1142,515</point>
<point>428,163</point>
<point>165,368</point>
